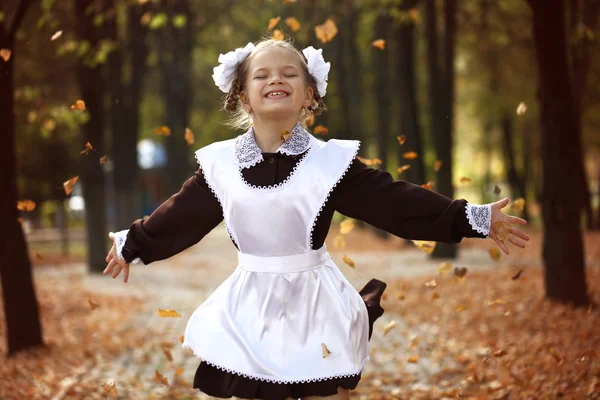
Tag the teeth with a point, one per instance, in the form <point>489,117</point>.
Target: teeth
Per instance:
<point>277,94</point>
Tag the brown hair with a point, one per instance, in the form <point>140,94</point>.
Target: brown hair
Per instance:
<point>240,119</point>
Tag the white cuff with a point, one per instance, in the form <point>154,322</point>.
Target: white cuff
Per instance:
<point>120,239</point>
<point>480,217</point>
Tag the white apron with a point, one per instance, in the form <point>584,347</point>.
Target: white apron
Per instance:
<point>269,319</point>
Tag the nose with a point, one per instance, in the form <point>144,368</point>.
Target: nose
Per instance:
<point>276,79</point>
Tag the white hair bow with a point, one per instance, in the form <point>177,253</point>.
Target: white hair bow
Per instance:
<point>317,67</point>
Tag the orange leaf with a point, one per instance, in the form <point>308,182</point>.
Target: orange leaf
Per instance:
<point>499,353</point>
<point>181,338</point>
<point>160,378</point>
<point>349,261</point>
<point>110,388</point>
<point>178,371</point>
<point>88,148</point>
<point>189,136</point>
<point>168,354</point>
<point>495,254</point>
<point>163,130</point>
<point>273,22</point>
<point>379,43</point>
<point>369,162</point>
<point>427,185</point>
<point>435,295</point>
<point>444,268</point>
<point>412,359</point>
<point>437,165</point>
<point>168,313</point>
<point>518,204</point>
<point>26,205</point>
<point>278,35</point>
<point>464,179</point>
<point>460,308</point>
<point>289,1</point>
<point>293,23</point>
<point>79,105</point>
<point>93,305</point>
<point>68,185</point>
<point>403,168</point>
<point>327,31</point>
<point>401,139</point>
<point>411,155</point>
<point>320,130</point>
<point>310,121</point>
<point>284,135</point>
<point>427,246</point>
<point>5,54</point>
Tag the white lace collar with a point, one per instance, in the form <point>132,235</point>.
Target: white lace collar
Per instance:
<point>248,154</point>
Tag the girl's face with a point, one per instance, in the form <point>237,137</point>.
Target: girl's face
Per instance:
<point>275,85</point>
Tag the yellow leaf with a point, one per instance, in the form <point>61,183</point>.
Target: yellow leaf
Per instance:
<point>168,354</point>
<point>110,387</point>
<point>412,359</point>
<point>327,31</point>
<point>346,226</point>
<point>460,308</point>
<point>403,168</point>
<point>400,296</point>
<point>161,379</point>
<point>293,23</point>
<point>518,204</point>
<point>103,160</point>
<point>68,185</point>
<point>464,179</point>
<point>168,313</point>
<point>326,351</point>
<point>391,325</point>
<point>5,54</point>
<point>181,338</point>
<point>349,261</point>
<point>284,135</point>
<point>410,155</point>
<point>425,245</point>
<point>460,271</point>
<point>432,284</point>
<point>339,242</point>
<point>93,305</point>
<point>163,131</point>
<point>379,43</point>
<point>178,371</point>
<point>79,105</point>
<point>273,22</point>
<point>401,139</point>
<point>437,165</point>
<point>320,130</point>
<point>88,148</point>
<point>278,35</point>
<point>310,121</point>
<point>369,162</point>
<point>502,230</point>
<point>56,35</point>
<point>521,108</point>
<point>444,268</point>
<point>189,136</point>
<point>495,254</point>
<point>26,205</point>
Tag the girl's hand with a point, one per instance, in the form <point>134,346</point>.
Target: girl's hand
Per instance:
<point>115,263</point>
<point>498,216</point>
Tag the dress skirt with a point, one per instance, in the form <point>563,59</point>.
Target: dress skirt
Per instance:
<point>276,330</point>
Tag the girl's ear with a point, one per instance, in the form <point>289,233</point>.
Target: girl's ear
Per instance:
<point>308,98</point>
<point>244,100</point>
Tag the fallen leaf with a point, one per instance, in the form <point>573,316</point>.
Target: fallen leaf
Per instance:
<point>435,295</point>
<point>278,35</point>
<point>103,160</point>
<point>339,242</point>
<point>460,271</point>
<point>414,342</point>
<point>401,139</point>
<point>320,130</point>
<point>327,31</point>
<point>495,302</point>
<point>495,254</point>
<point>160,378</point>
<point>521,108</point>
<point>349,261</point>
<point>326,351</point>
<point>517,275</point>
<point>68,185</point>
<point>79,105</point>
<point>391,325</point>
<point>273,22</point>
<point>403,168</point>
<point>163,131</point>
<point>412,359</point>
<point>460,308</point>
<point>445,268</point>
<point>518,204</point>
<point>5,54</point>
<point>346,226</point>
<point>168,354</point>
<point>499,353</point>
<point>432,284</point>
<point>168,313</point>
<point>437,165</point>
<point>189,136</point>
<point>88,148</point>
<point>502,230</point>
<point>56,35</point>
<point>293,23</point>
<point>379,43</point>
<point>427,246</point>
<point>26,205</point>
<point>92,304</point>
<point>110,387</point>
<point>410,155</point>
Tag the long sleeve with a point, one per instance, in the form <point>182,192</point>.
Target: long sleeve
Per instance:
<point>405,209</point>
<point>178,223</point>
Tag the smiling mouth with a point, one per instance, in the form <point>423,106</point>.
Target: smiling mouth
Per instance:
<point>276,95</point>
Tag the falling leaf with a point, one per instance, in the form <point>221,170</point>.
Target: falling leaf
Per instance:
<point>401,139</point>
<point>518,204</point>
<point>391,325</point>
<point>435,295</point>
<point>38,255</point>
<point>310,121</point>
<point>414,342</point>
<point>349,261</point>
<point>497,190</point>
<point>26,205</point>
<point>160,378</point>
<point>460,271</point>
<point>56,35</point>
<point>502,230</point>
<point>427,185</point>
<point>293,23</point>
<point>178,371</point>
<point>412,359</point>
<point>168,313</point>
<point>79,105</point>
<point>181,338</point>
<point>284,135</point>
<point>278,35</point>
<point>273,22</point>
<point>168,354</point>
<point>20,220</point>
<point>380,44</point>
<point>414,15</point>
<point>521,108</point>
<point>68,185</point>
<point>444,268</point>
<point>460,308</point>
<point>103,160</point>
<point>327,31</point>
<point>426,245</point>
<point>495,254</point>
<point>88,148</point>
<point>410,155</point>
<point>5,54</point>
<point>189,136</point>
<point>517,275</point>
<point>437,165</point>
<point>92,304</point>
<point>163,131</point>
<point>464,179</point>
<point>289,1</point>
<point>432,284</point>
<point>110,387</point>
<point>496,302</point>
<point>320,130</point>
<point>403,168</point>
<point>339,242</point>
<point>369,162</point>
<point>499,353</point>
<point>326,351</point>
<point>346,226</point>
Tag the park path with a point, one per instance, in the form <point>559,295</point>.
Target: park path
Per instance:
<point>187,279</point>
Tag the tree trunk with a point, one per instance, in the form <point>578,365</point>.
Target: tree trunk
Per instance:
<point>562,197</point>
<point>23,328</point>
<point>382,92</point>
<point>516,182</point>
<point>92,177</point>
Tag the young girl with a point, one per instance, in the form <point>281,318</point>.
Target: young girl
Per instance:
<point>287,323</point>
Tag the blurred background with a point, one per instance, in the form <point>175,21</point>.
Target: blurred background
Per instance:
<point>105,101</point>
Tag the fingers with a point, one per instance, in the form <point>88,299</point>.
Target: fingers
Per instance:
<point>518,233</point>
<point>117,270</point>
<point>109,256</point>
<point>126,273</point>
<point>516,220</point>
<point>110,266</point>
<point>501,245</point>
<point>516,242</point>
